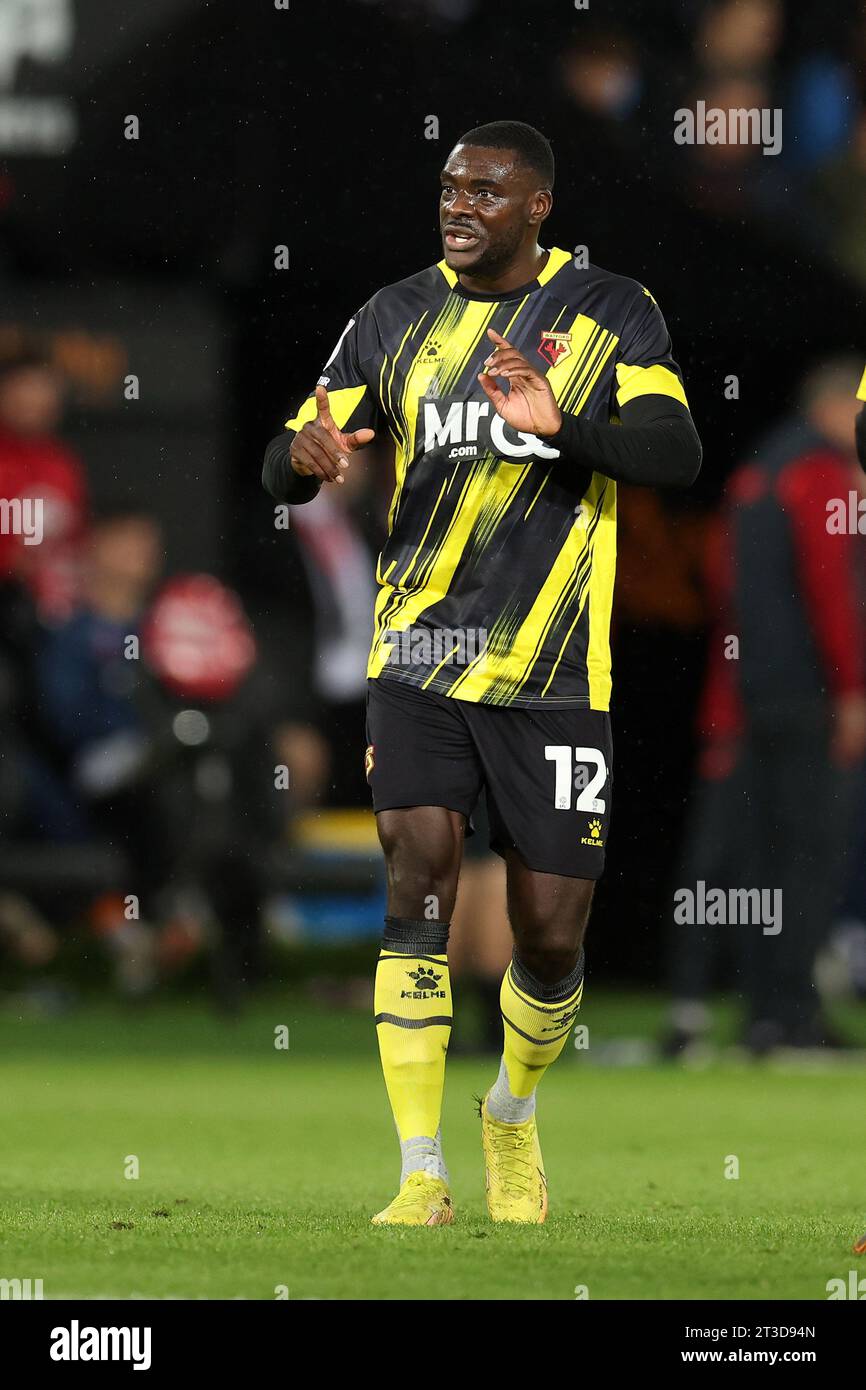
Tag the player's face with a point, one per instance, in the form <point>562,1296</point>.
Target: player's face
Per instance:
<point>490,203</point>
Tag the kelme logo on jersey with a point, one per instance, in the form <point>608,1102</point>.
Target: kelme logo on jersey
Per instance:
<point>554,347</point>
<point>468,429</point>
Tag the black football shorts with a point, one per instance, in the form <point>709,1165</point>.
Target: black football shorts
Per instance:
<point>546,772</point>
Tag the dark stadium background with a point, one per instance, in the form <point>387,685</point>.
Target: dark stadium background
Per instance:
<point>259,128</point>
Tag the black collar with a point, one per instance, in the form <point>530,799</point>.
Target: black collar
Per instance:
<point>502,295</point>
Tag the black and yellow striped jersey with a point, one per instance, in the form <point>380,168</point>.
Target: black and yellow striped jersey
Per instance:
<point>496,578</point>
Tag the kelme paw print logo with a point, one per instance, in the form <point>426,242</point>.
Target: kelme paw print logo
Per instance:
<point>425,977</point>
<point>594,838</point>
<point>432,349</point>
<point>563,1022</point>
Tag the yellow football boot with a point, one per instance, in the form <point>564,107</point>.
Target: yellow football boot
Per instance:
<point>516,1185</point>
<point>423,1200</point>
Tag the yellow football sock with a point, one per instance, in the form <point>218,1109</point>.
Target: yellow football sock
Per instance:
<point>537,1020</point>
<point>413,1021</point>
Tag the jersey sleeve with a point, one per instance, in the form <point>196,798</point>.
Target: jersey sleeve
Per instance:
<point>348,377</point>
<point>644,362</point>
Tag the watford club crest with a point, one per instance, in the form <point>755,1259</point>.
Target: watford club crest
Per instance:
<point>554,347</point>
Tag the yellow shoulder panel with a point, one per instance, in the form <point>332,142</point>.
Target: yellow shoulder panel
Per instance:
<point>342,403</point>
<point>647,381</point>
<point>555,261</point>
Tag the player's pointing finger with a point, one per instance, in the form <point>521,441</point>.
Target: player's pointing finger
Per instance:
<point>323,406</point>
<point>497,338</point>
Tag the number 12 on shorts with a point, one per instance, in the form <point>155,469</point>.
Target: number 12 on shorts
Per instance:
<point>566,759</point>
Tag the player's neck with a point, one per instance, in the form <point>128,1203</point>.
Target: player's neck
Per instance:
<point>523,271</point>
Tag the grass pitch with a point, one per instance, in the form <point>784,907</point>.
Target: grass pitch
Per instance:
<point>259,1168</point>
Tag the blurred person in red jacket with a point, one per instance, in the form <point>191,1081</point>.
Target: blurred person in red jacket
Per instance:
<point>843,966</point>
<point>330,565</point>
<point>782,720</point>
<point>42,485</point>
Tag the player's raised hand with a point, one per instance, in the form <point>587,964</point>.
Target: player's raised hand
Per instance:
<point>321,449</point>
<point>529,404</point>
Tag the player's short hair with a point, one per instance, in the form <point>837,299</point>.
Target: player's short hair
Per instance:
<point>532,147</point>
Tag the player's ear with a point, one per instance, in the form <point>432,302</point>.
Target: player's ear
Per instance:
<point>540,207</point>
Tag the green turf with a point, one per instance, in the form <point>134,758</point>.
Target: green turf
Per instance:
<point>259,1168</point>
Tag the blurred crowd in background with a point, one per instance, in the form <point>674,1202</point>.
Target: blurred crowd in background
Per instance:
<point>181,748</point>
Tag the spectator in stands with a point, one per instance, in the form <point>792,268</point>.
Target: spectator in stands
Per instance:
<point>739,36</point>
<point>602,74</point>
<point>784,717</point>
<point>820,108</point>
<point>601,107</point>
<point>42,482</point>
<point>211,787</point>
<point>88,668</point>
<point>88,676</point>
<point>161,732</point>
<point>335,546</point>
<point>848,944</point>
<point>839,201</point>
<point>737,69</point>
<point>736,177</point>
